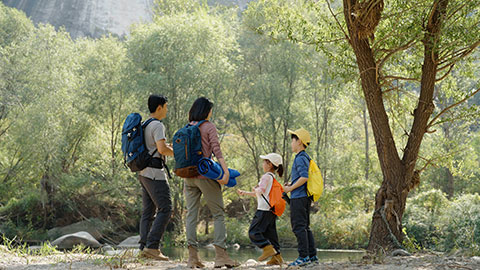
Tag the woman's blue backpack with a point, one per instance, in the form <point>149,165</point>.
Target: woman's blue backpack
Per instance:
<point>135,152</point>
<point>187,150</point>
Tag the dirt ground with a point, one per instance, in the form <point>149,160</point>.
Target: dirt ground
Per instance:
<point>61,261</point>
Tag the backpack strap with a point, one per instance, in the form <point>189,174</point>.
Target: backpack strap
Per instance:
<point>273,178</point>
<point>162,161</point>
<point>144,126</point>
<point>266,201</point>
<point>199,123</point>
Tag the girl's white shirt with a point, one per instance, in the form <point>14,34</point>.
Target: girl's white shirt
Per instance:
<point>263,188</point>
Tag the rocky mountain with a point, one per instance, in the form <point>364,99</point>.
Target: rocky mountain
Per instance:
<point>90,18</point>
<point>93,18</point>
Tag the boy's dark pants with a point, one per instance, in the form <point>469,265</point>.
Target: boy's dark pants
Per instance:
<point>300,219</point>
<point>155,200</point>
<point>263,230</point>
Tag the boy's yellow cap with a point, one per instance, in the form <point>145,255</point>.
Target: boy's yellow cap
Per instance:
<point>302,134</point>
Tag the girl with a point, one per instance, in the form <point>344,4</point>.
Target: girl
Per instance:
<point>263,229</point>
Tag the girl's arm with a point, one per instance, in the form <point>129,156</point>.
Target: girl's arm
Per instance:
<point>243,192</point>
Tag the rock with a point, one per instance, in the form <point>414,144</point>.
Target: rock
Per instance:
<point>236,246</point>
<point>107,248</point>
<point>476,259</point>
<point>400,252</point>
<point>250,262</point>
<point>90,18</point>
<point>3,248</point>
<point>70,240</point>
<point>92,226</point>
<point>130,242</point>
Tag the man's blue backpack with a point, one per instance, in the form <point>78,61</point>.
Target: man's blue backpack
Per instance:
<point>135,152</point>
<point>187,150</point>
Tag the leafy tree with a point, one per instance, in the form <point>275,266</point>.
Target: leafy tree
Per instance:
<point>401,46</point>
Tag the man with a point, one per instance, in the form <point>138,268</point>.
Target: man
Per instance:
<point>157,204</point>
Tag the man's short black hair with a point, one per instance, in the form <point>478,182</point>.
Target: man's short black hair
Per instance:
<point>296,138</point>
<point>156,100</point>
<point>200,109</point>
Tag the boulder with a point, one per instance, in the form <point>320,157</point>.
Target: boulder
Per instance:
<point>92,226</point>
<point>130,242</point>
<point>70,240</point>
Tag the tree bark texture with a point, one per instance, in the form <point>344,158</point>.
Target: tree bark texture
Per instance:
<point>399,175</point>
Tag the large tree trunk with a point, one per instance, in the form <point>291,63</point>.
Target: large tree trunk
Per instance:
<point>399,175</point>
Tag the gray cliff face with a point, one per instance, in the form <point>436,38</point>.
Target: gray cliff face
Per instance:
<point>91,18</point>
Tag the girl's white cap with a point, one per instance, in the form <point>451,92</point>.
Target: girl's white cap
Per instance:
<point>274,158</point>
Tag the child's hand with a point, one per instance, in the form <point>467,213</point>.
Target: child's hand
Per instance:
<point>240,192</point>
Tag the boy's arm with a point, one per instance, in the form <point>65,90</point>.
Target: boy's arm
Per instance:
<point>301,164</point>
<point>300,181</point>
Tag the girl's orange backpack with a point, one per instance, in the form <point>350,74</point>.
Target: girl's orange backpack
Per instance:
<point>277,203</point>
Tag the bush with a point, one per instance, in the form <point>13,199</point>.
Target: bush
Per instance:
<point>459,227</point>
<point>422,216</point>
<point>342,232</point>
<point>22,217</point>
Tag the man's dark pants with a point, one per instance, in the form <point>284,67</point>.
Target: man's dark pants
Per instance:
<point>156,211</point>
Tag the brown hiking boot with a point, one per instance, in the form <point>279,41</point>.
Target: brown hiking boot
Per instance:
<point>276,260</point>
<point>155,254</point>
<point>268,251</point>
<point>222,258</point>
<point>193,260</point>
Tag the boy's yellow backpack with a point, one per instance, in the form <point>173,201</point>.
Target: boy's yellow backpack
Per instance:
<point>315,181</point>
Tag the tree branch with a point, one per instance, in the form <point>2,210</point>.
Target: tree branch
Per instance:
<point>458,55</point>
<point>392,52</point>
<point>339,25</point>
<point>432,122</point>
<point>401,78</point>
<point>446,74</point>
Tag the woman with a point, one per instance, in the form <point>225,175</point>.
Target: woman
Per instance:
<point>211,190</point>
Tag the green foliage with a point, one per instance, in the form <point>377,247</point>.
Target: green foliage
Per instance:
<point>460,226</point>
<point>16,27</point>
<point>433,222</point>
<point>63,102</point>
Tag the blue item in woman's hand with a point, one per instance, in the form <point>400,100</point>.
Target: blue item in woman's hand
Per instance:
<point>213,170</point>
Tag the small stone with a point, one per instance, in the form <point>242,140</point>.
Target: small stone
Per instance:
<point>251,262</point>
<point>401,252</point>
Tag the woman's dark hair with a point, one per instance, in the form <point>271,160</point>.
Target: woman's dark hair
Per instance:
<point>296,138</point>
<point>156,100</point>
<point>200,109</point>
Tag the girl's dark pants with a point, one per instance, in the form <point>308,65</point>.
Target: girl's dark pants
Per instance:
<point>263,230</point>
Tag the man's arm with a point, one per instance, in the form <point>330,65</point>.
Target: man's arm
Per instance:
<point>163,148</point>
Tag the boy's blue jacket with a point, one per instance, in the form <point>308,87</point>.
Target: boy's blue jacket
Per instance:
<point>300,169</point>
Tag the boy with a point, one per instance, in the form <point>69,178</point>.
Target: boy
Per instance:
<point>299,200</point>
<point>156,201</point>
